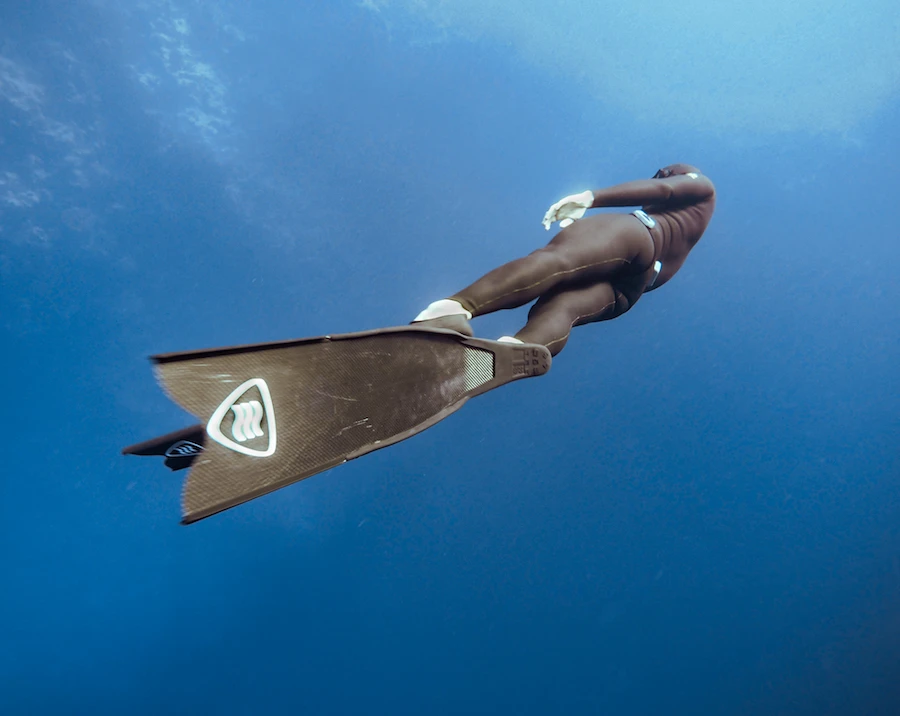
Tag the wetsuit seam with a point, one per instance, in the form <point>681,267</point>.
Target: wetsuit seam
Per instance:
<point>550,276</point>
<point>578,318</point>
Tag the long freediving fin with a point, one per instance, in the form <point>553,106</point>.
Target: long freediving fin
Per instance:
<point>276,413</point>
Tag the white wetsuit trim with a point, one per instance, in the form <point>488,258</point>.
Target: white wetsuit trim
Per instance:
<point>645,218</point>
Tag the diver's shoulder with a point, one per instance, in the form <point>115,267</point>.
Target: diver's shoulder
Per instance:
<point>692,187</point>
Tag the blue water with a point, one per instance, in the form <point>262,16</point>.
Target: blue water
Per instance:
<point>695,512</point>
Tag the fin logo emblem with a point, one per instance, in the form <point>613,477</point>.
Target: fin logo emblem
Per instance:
<point>246,407</point>
<point>184,448</point>
<point>247,421</point>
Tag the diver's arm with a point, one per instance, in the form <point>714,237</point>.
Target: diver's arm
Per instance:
<point>683,188</point>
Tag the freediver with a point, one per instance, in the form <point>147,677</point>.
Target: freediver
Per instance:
<point>338,397</point>
<point>595,268</point>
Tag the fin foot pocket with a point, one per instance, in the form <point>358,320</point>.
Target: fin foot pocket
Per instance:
<point>536,361</point>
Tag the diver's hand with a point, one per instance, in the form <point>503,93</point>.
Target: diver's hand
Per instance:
<point>567,210</point>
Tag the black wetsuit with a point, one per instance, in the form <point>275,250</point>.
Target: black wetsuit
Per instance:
<point>599,266</point>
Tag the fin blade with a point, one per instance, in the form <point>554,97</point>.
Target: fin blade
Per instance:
<point>324,401</point>
<point>179,448</point>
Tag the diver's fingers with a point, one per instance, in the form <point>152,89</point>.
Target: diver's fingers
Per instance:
<point>550,216</point>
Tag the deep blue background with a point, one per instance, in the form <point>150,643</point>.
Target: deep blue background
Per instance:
<point>695,512</point>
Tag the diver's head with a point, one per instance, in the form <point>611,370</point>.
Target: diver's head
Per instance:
<point>676,169</point>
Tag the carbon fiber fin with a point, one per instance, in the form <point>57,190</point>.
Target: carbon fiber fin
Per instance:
<point>276,413</point>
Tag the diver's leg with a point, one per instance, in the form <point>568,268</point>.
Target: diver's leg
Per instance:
<point>513,284</point>
<point>601,248</point>
<point>551,319</point>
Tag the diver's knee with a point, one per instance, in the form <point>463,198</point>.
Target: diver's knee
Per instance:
<point>625,300</point>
